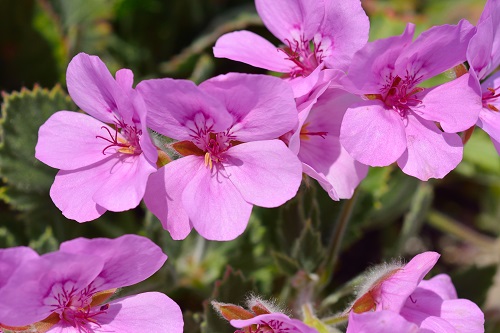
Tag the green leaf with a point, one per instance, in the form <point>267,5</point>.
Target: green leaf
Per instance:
<point>308,249</point>
<point>287,265</point>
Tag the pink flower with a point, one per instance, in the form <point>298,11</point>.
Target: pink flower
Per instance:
<point>67,291</point>
<point>103,167</point>
<point>273,322</point>
<point>318,146</point>
<point>483,56</point>
<point>396,299</point>
<point>336,29</point>
<point>397,122</point>
<point>226,129</point>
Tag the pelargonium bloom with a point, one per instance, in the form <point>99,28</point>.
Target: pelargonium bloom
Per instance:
<point>318,145</point>
<point>397,121</point>
<point>316,34</point>
<point>483,56</point>
<point>106,158</point>
<point>231,160</point>
<point>395,298</point>
<point>69,290</point>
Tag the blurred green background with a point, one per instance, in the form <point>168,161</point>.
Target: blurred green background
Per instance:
<point>286,253</point>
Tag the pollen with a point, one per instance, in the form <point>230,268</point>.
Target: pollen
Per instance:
<point>208,161</point>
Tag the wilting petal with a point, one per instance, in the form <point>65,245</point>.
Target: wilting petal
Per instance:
<point>252,49</point>
<point>372,134</point>
<point>92,87</point>
<point>146,312</point>
<point>262,106</point>
<point>282,17</point>
<point>124,186</point>
<point>34,287</point>
<point>174,104</point>
<point>215,206</point>
<point>278,321</point>
<point>266,173</point>
<point>69,140</point>
<point>455,105</point>
<point>128,259</point>
<point>431,153</point>
<point>379,322</point>
<point>164,194</point>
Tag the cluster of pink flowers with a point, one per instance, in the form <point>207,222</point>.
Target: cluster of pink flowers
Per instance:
<point>70,290</point>
<point>240,140</point>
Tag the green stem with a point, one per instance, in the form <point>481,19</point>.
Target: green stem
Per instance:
<point>450,226</point>
<point>327,267</point>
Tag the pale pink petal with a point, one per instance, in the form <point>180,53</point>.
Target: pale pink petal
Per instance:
<point>455,105</point>
<point>252,49</point>
<point>266,173</point>
<point>431,153</point>
<point>489,121</point>
<point>164,194</point>
<point>124,186</point>
<point>148,148</point>
<point>287,18</point>
<point>11,259</point>
<point>379,322</point>
<point>36,284</point>
<point>69,140</point>
<point>125,78</point>
<point>372,134</point>
<point>304,85</point>
<point>214,205</point>
<point>262,106</point>
<point>374,63</point>
<point>128,259</point>
<point>436,50</point>
<point>395,290</point>
<point>441,285</point>
<point>72,191</point>
<point>173,106</point>
<point>92,87</point>
<point>437,325</point>
<point>146,312</point>
<point>276,321</point>
<point>346,26</point>
<point>463,315</point>
<point>480,50</point>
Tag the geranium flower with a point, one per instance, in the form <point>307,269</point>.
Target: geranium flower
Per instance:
<point>316,34</point>
<point>103,167</point>
<point>396,299</point>
<point>483,56</point>
<point>397,122</point>
<point>69,290</point>
<point>227,129</point>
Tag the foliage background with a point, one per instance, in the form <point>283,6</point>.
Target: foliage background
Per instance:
<point>306,251</point>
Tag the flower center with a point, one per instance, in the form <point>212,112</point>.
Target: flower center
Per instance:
<point>129,144</point>
<point>492,95</point>
<point>307,55</point>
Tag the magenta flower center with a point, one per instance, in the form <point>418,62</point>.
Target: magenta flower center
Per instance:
<point>272,326</point>
<point>400,95</point>
<point>491,96</point>
<point>307,55</point>
<point>127,143</point>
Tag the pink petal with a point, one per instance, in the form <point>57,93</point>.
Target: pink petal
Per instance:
<point>282,17</point>
<point>463,315</point>
<point>437,325</point>
<point>252,49</point>
<point>455,105</point>
<point>164,194</point>
<point>262,106</point>
<point>11,259</point>
<point>396,289</point>
<point>489,121</point>
<point>35,285</point>
<point>436,50</point>
<point>379,322</point>
<point>146,312</point>
<point>68,140</point>
<point>305,85</point>
<point>347,26</point>
<point>146,144</point>
<point>278,321</point>
<point>92,87</point>
<point>214,205</point>
<point>125,78</point>
<point>72,191</point>
<point>480,50</point>
<point>128,259</point>
<point>441,285</point>
<point>431,153</point>
<point>266,173</point>
<point>173,104</point>
<point>372,134</point>
<point>124,186</point>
